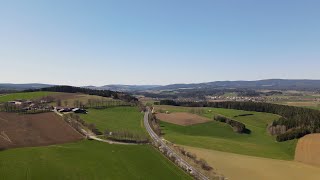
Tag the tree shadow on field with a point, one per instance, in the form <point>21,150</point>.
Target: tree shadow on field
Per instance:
<point>247,131</point>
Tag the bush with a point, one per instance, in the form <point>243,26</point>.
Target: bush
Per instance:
<point>205,165</point>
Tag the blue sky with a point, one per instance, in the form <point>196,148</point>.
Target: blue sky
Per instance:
<point>84,42</point>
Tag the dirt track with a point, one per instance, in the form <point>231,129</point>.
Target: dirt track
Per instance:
<point>308,150</point>
<point>34,130</point>
<point>182,118</point>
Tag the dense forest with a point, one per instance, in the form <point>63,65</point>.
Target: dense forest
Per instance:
<point>103,93</point>
<point>296,121</point>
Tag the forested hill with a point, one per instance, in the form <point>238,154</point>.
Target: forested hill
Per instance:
<point>103,93</point>
<point>271,84</point>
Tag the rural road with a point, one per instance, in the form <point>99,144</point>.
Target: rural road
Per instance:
<point>156,138</point>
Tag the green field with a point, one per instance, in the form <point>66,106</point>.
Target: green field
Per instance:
<point>219,136</point>
<point>116,118</point>
<point>87,160</point>
<point>24,95</point>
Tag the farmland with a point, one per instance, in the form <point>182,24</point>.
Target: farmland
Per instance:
<point>87,160</point>
<point>182,118</point>
<point>308,150</point>
<point>69,99</point>
<point>219,136</point>
<point>116,118</point>
<point>25,95</point>
<point>34,130</point>
<point>242,167</point>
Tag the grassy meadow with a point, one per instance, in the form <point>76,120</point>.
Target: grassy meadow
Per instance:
<point>87,160</point>
<point>220,136</point>
<point>116,118</point>
<point>24,95</point>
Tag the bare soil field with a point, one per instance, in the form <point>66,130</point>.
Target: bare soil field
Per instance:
<point>308,150</point>
<point>242,167</point>
<point>182,118</point>
<point>34,130</point>
<point>303,103</point>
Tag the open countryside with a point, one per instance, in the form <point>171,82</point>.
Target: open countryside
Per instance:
<point>218,136</point>
<point>192,128</point>
<point>84,154</point>
<point>87,160</point>
<point>242,167</point>
<point>160,90</point>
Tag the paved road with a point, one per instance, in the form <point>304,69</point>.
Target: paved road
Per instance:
<point>156,138</point>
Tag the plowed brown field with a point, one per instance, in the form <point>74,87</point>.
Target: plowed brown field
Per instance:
<point>34,130</point>
<point>308,150</point>
<point>182,118</point>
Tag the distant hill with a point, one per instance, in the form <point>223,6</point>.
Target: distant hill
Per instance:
<point>126,88</point>
<point>20,87</point>
<point>123,88</point>
<point>271,84</point>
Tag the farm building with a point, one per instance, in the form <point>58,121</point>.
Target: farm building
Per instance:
<point>78,110</point>
<point>15,102</point>
<point>68,109</point>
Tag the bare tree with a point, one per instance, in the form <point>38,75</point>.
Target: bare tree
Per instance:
<point>58,102</point>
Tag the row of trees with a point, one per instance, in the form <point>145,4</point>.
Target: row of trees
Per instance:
<point>102,93</point>
<point>293,134</point>
<point>295,119</point>
<point>103,103</point>
<point>155,124</point>
<point>126,136</point>
<point>94,103</point>
<point>12,108</point>
<point>77,123</point>
<point>201,162</point>
<point>236,126</point>
<point>197,111</point>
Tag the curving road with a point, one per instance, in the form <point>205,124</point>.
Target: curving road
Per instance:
<point>156,138</point>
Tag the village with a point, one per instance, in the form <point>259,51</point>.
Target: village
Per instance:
<point>38,106</point>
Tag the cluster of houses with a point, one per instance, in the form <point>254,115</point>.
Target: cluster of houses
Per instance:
<point>236,98</point>
<point>27,105</point>
<point>43,105</point>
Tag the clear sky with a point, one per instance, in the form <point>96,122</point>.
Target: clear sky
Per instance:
<point>84,42</point>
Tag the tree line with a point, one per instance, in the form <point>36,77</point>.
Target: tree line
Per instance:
<point>236,126</point>
<point>296,120</point>
<point>102,93</point>
<point>127,136</point>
